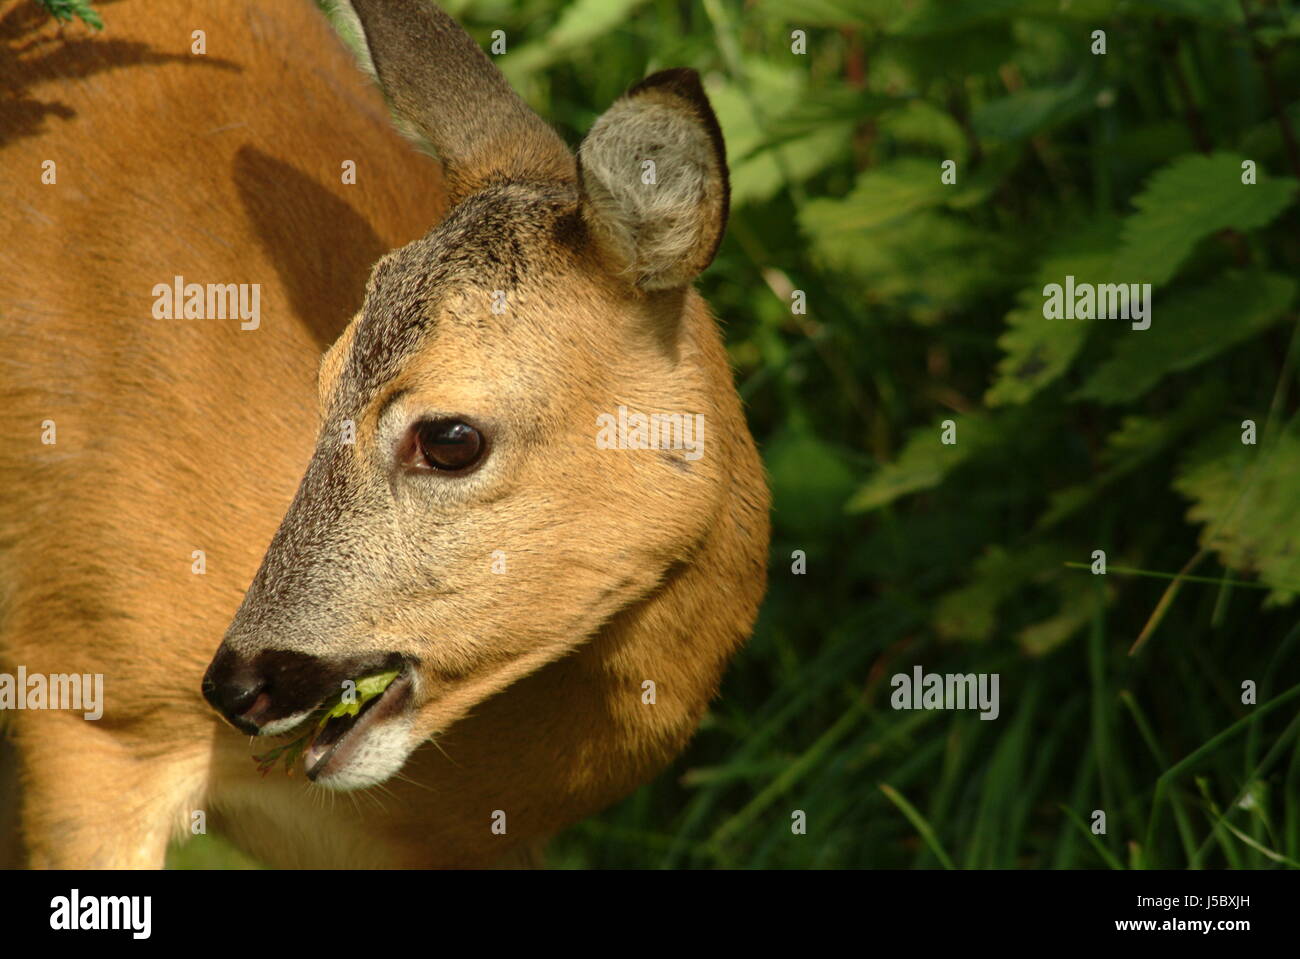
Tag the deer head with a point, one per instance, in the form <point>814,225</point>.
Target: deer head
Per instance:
<point>462,520</point>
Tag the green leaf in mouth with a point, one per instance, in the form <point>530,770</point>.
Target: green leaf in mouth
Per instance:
<point>366,690</point>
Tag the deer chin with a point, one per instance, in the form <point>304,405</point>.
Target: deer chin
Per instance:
<point>353,752</point>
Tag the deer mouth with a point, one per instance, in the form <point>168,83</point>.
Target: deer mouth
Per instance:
<point>329,737</point>
<point>339,737</point>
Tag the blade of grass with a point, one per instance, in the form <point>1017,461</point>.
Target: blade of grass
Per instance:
<point>1230,852</point>
<point>1207,748</point>
<point>1181,816</point>
<point>1107,856</point>
<point>1258,772</point>
<point>919,823</point>
<point>1157,574</point>
<point>791,775</point>
<point>1166,600</point>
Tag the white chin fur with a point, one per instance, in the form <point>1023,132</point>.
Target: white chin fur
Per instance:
<point>381,753</point>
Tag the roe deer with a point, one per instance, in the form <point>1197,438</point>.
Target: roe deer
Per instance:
<point>459,523</point>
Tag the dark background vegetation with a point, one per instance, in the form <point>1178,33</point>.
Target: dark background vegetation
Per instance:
<point>925,304</point>
<point>1120,693</point>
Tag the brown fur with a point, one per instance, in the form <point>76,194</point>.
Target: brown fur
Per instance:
<point>176,435</point>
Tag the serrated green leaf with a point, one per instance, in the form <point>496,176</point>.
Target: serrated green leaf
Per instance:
<point>1191,198</point>
<point>1189,328</point>
<point>926,264</point>
<point>1248,496</point>
<point>924,461</point>
<point>1037,350</point>
<point>1265,139</point>
<point>843,108</point>
<point>919,122</point>
<point>880,196</point>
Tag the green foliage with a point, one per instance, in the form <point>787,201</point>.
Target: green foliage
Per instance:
<point>971,612</point>
<point>1248,496</point>
<point>809,478</point>
<point>1192,198</point>
<point>1039,352</point>
<point>1027,112</point>
<point>880,197</point>
<point>778,135</point>
<point>924,461</point>
<point>367,689</point>
<point>925,304</point>
<point>1215,11</point>
<point>65,10</point>
<point>1196,324</point>
<point>581,23</point>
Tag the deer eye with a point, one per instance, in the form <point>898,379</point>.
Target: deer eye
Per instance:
<point>450,446</point>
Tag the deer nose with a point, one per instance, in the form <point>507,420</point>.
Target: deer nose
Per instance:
<point>237,690</point>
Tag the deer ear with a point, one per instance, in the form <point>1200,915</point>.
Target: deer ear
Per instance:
<point>653,172</point>
<point>445,88</point>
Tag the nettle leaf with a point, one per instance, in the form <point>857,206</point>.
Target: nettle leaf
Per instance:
<point>924,461</point>
<point>970,613</point>
<point>1189,328</point>
<point>811,115</point>
<point>921,123</point>
<point>1191,198</point>
<point>889,231</point>
<point>928,263</point>
<point>750,119</point>
<point>1248,497</point>
<point>1026,112</point>
<point>880,196</point>
<point>1037,350</point>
